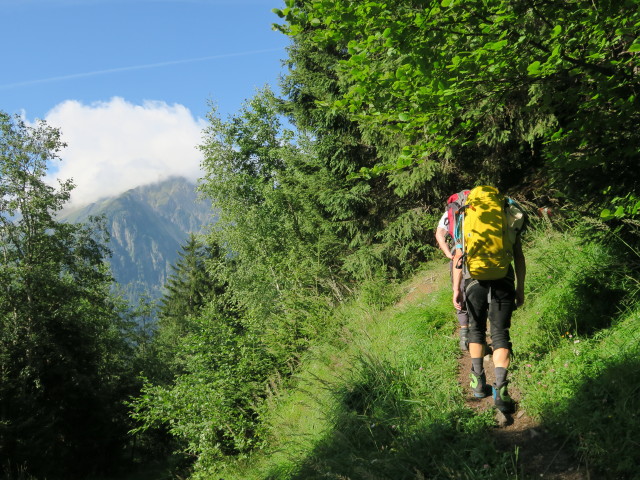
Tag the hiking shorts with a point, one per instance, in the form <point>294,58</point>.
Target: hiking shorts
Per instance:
<point>495,300</point>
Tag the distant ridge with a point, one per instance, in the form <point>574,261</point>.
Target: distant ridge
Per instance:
<point>148,226</point>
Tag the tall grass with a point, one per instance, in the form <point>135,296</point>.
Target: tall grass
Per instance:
<point>382,403</point>
<point>578,349</point>
<point>380,398</point>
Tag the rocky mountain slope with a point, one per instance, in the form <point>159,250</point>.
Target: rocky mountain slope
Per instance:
<point>148,226</point>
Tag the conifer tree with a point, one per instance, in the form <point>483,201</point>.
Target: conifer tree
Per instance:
<point>193,284</point>
<point>380,220</point>
<point>189,285</point>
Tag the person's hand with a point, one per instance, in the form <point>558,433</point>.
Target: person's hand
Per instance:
<point>458,300</point>
<point>447,253</point>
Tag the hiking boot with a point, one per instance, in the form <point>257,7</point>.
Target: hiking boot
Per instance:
<point>478,384</point>
<point>502,400</point>
<point>464,339</point>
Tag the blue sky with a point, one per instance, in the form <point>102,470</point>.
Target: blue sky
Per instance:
<point>128,82</point>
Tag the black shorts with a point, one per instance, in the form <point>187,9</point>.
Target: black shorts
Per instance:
<point>495,300</point>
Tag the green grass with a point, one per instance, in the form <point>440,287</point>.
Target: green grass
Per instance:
<point>579,352</point>
<point>380,400</point>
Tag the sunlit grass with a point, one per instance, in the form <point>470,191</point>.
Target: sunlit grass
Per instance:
<point>381,399</point>
<point>577,348</point>
<point>382,402</point>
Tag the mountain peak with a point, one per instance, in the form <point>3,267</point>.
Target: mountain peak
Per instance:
<point>148,225</point>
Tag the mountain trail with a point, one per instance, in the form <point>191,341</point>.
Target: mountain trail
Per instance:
<point>422,285</point>
<point>539,453</point>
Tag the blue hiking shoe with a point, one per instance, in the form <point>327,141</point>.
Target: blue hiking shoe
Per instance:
<point>478,384</point>
<point>502,400</point>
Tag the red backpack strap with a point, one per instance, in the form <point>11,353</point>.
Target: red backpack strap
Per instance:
<point>455,203</point>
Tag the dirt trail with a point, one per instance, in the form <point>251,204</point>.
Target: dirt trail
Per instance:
<point>540,455</point>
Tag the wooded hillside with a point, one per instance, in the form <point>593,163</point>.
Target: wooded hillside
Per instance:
<point>328,190</point>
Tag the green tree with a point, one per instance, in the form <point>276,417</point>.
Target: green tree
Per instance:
<point>272,282</point>
<point>214,365</point>
<point>193,284</point>
<point>63,358</point>
<point>212,406</point>
<point>380,220</point>
<point>189,286</point>
<point>268,221</point>
<point>499,89</point>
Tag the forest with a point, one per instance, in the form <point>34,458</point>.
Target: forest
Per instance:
<point>328,190</point>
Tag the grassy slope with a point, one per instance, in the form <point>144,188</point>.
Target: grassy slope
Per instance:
<point>381,400</point>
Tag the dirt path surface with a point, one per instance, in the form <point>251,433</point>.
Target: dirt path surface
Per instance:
<point>540,455</point>
<point>422,286</point>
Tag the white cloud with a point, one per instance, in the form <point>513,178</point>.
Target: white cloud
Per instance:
<point>114,146</point>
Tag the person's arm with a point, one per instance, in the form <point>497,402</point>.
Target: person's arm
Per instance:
<point>441,238</point>
<point>521,271</point>
<point>456,281</point>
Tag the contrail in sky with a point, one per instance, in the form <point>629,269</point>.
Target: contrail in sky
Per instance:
<point>131,68</point>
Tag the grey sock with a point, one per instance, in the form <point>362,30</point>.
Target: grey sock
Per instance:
<point>477,366</point>
<point>501,376</point>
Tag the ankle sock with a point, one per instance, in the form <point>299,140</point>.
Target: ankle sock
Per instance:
<point>501,376</point>
<point>477,366</point>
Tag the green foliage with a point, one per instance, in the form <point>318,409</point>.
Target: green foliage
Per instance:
<point>64,358</point>
<point>203,359</point>
<point>495,88</point>
<point>296,234</point>
<point>627,206</point>
<point>190,285</point>
<point>193,284</point>
<point>212,406</point>
<point>267,217</point>
<point>358,209</point>
<point>585,387</point>
<point>588,282</point>
<point>384,400</point>
<point>267,282</point>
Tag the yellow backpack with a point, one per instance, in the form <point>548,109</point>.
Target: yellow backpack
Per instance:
<point>488,232</point>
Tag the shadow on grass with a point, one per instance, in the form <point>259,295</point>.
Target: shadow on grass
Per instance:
<point>379,432</point>
<point>379,435</point>
<point>600,305</point>
<point>599,424</point>
<point>588,306</point>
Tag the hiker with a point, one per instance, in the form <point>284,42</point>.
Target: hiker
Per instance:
<point>444,237</point>
<point>489,242</point>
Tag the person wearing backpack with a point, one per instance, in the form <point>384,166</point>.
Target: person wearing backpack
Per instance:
<point>488,243</point>
<point>444,238</point>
